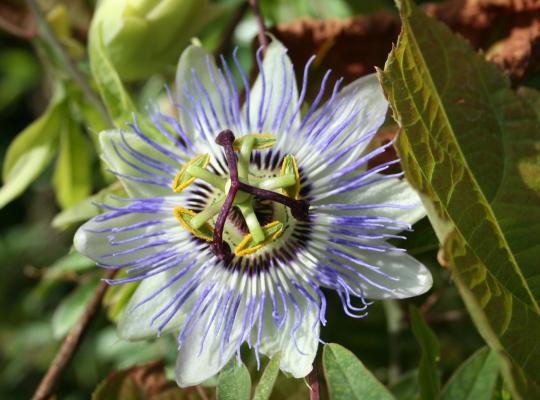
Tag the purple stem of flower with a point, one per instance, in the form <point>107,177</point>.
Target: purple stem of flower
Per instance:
<point>299,208</point>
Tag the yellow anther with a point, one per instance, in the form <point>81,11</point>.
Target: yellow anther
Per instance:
<point>206,231</point>
<point>272,231</point>
<point>289,167</point>
<point>262,141</point>
<point>183,178</point>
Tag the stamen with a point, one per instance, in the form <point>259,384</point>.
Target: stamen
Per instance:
<point>243,159</point>
<point>207,176</point>
<point>184,178</point>
<point>278,182</point>
<point>252,222</point>
<point>299,208</point>
<point>205,215</point>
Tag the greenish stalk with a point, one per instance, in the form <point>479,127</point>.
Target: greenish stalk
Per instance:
<point>207,176</point>
<point>257,234</point>
<point>394,324</point>
<point>198,220</point>
<point>277,182</point>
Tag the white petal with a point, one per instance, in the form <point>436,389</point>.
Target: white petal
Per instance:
<point>363,105</point>
<point>135,181</point>
<point>381,275</point>
<point>274,340</point>
<point>204,98</point>
<point>93,242</point>
<point>195,364</point>
<point>272,100</point>
<point>413,278</point>
<point>135,322</point>
<point>404,204</point>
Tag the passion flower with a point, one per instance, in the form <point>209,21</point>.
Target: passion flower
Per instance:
<point>240,214</point>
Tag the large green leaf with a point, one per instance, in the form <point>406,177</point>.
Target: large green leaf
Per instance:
<point>348,378</point>
<point>475,379</point>
<point>72,176</point>
<point>470,146</point>
<point>428,375</point>
<point>234,382</point>
<point>32,150</point>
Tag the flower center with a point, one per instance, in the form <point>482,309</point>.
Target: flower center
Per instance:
<point>243,192</point>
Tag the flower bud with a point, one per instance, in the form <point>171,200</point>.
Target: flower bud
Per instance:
<point>141,37</point>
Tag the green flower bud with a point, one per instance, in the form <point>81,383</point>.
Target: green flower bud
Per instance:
<point>141,37</point>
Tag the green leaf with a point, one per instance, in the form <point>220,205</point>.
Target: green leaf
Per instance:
<point>111,88</point>
<point>71,308</point>
<point>31,151</point>
<point>234,382</point>
<point>470,145</point>
<point>348,378</point>
<point>428,376</point>
<point>475,379</point>
<point>263,390</point>
<point>72,176</point>
<point>19,72</point>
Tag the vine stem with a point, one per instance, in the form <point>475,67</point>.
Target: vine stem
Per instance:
<point>263,40</point>
<point>49,36</point>
<point>72,340</point>
<point>230,29</point>
<point>314,393</point>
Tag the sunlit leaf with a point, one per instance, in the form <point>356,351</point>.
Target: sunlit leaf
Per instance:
<point>72,176</point>
<point>475,379</point>
<point>428,376</point>
<point>234,382</point>
<point>348,378</point>
<point>31,151</point>
<point>470,146</point>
